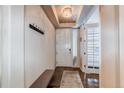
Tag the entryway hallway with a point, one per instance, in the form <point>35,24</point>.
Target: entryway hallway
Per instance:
<point>61,46</point>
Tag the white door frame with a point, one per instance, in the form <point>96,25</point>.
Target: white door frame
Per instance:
<point>83,47</point>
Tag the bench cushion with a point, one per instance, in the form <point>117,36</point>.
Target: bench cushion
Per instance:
<point>43,80</point>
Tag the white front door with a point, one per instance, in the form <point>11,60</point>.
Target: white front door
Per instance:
<point>63,48</point>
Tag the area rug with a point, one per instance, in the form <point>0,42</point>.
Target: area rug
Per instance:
<point>71,79</point>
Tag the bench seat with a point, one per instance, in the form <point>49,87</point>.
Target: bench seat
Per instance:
<point>43,80</point>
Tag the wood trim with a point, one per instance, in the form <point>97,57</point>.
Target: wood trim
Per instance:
<point>50,14</point>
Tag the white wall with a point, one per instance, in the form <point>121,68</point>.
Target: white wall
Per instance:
<point>13,46</point>
<point>26,53</point>
<point>0,42</point>
<point>108,47</point>
<point>17,46</point>
<point>39,49</point>
<point>5,43</point>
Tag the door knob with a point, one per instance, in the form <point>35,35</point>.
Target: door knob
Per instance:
<point>84,53</point>
<point>70,50</point>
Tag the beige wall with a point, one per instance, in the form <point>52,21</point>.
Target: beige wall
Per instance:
<point>39,49</point>
<point>121,38</point>
<point>108,47</point>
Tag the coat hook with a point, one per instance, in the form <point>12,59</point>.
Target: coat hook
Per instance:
<point>36,28</point>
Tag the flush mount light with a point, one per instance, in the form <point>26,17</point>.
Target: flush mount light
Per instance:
<point>67,12</point>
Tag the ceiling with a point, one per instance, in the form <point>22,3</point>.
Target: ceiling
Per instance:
<point>64,16</point>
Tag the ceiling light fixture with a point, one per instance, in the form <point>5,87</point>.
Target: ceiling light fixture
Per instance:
<point>67,12</point>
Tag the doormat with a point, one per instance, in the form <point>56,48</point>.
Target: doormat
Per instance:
<point>71,79</point>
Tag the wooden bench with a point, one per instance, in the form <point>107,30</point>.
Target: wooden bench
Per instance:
<point>43,80</point>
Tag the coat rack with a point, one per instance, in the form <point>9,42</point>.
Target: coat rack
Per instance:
<point>35,28</point>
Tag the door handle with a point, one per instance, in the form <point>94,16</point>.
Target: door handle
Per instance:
<point>70,51</point>
<point>84,53</point>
